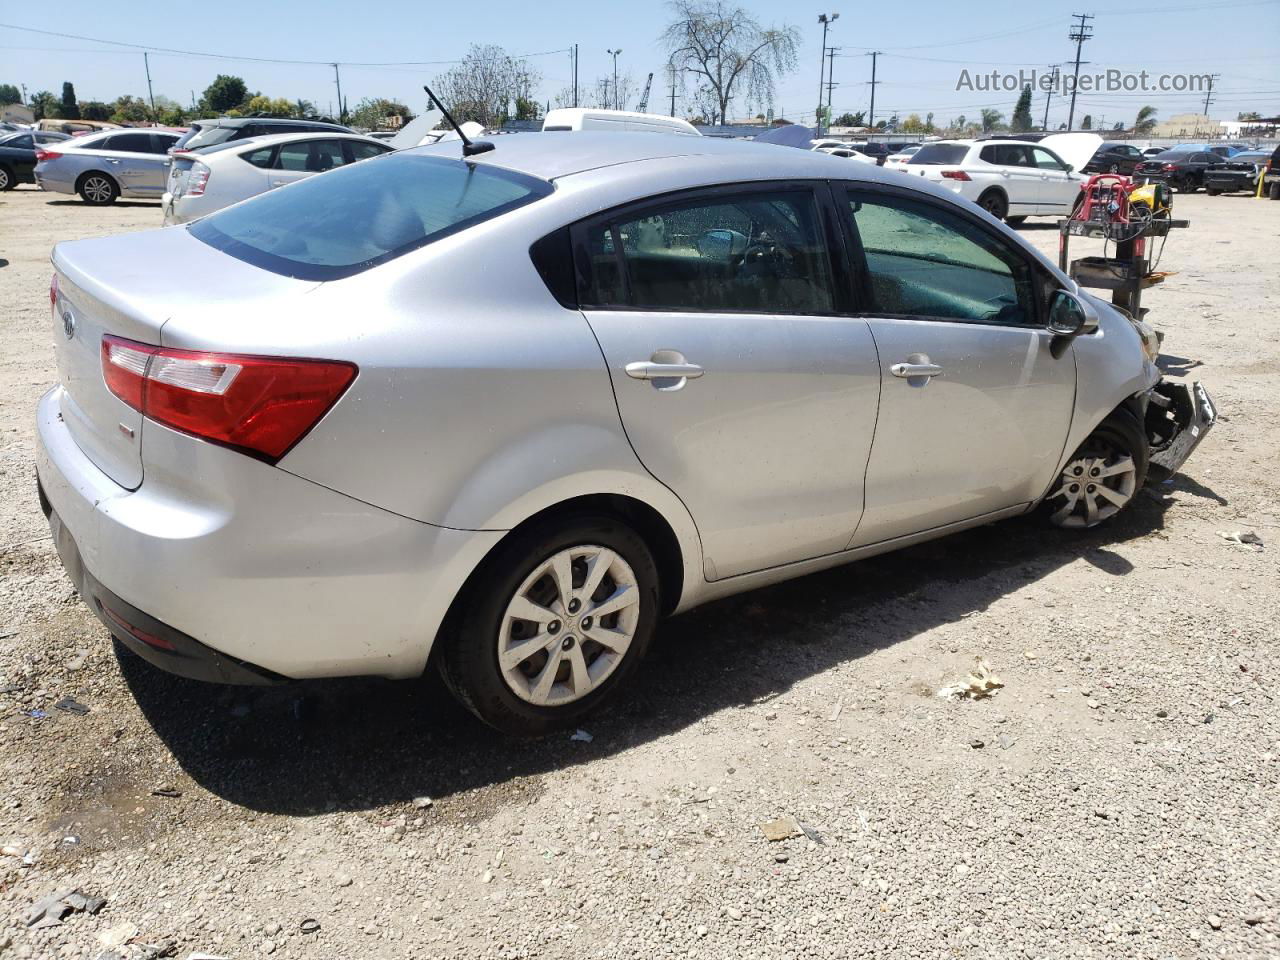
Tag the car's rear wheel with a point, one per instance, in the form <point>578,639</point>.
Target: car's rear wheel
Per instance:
<point>552,626</point>
<point>994,202</point>
<point>1114,168</point>
<point>1212,191</point>
<point>1103,476</point>
<point>1273,191</point>
<point>97,189</point>
<point>7,179</point>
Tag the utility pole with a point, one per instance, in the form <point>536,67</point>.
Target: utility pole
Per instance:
<point>671,82</point>
<point>342,111</point>
<point>831,75</point>
<point>1053,82</point>
<point>614,54</point>
<point>1080,32</point>
<point>871,120</point>
<point>826,19</point>
<point>575,74</point>
<point>146,63</point>
<point>1208,94</point>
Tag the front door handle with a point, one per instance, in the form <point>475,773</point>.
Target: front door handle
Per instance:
<point>649,370</point>
<point>909,370</point>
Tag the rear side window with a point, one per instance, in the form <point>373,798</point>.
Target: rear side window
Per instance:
<point>325,228</point>
<point>260,157</point>
<point>310,156</point>
<point>924,261</point>
<point>129,143</point>
<point>938,153</point>
<point>743,252</point>
<point>206,137</point>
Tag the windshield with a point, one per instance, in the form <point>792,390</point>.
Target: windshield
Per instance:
<point>940,153</point>
<point>198,137</point>
<point>355,217</point>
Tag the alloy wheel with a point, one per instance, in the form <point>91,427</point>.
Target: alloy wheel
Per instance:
<point>4,179</point>
<point>97,189</point>
<point>569,625</point>
<point>1094,487</point>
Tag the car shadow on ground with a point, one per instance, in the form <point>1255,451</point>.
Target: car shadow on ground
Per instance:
<point>154,204</point>
<point>357,744</point>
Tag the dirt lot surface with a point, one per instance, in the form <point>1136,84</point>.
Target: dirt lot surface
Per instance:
<point>1117,798</point>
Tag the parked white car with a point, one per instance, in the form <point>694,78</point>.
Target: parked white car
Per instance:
<point>1010,179</point>
<point>897,161</point>
<point>207,180</point>
<point>584,118</point>
<point>838,148</point>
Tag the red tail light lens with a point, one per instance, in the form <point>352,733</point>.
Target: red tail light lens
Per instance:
<point>53,291</point>
<point>43,155</point>
<point>197,180</point>
<point>1169,166</point>
<point>260,405</point>
<point>955,175</point>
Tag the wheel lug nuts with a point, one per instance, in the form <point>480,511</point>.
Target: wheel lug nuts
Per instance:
<point>1090,488</point>
<point>553,627</point>
<point>586,623</point>
<point>567,643</point>
<point>574,606</point>
<point>1075,488</point>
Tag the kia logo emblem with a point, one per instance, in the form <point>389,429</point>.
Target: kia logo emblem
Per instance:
<point>68,324</point>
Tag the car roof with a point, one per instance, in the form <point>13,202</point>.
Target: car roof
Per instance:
<point>274,138</point>
<point>243,121</point>
<point>552,156</point>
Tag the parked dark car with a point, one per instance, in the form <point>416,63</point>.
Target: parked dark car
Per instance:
<point>879,151</point>
<point>1240,172</point>
<point>18,155</point>
<point>1154,151</point>
<point>1271,177</point>
<point>1182,171</point>
<point>1114,158</point>
<point>207,133</point>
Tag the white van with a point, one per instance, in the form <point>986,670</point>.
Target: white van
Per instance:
<point>586,118</point>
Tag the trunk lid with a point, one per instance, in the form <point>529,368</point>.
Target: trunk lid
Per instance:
<point>130,286</point>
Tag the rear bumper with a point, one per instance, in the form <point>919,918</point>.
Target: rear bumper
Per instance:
<point>48,179</point>
<point>248,570</point>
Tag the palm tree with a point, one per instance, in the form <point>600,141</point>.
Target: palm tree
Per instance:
<point>303,109</point>
<point>1145,122</point>
<point>989,119</point>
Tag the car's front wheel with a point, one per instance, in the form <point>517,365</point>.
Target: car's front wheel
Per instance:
<point>994,202</point>
<point>7,179</point>
<point>552,625</point>
<point>1103,476</point>
<point>97,189</point>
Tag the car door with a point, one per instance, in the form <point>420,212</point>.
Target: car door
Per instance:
<point>1058,185</point>
<point>739,383</point>
<point>1015,174</point>
<point>304,158</point>
<point>975,409</point>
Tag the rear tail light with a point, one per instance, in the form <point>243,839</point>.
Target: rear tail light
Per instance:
<point>43,155</point>
<point>53,291</point>
<point>197,179</point>
<point>955,175</point>
<point>1169,166</point>
<point>259,405</point>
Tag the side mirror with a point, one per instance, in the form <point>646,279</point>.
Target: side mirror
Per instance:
<point>722,244</point>
<point>1070,316</point>
<point>1070,168</point>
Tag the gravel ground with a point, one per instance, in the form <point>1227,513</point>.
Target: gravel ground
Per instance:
<point>1117,798</point>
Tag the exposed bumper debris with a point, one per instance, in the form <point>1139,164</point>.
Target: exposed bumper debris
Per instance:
<point>1179,414</point>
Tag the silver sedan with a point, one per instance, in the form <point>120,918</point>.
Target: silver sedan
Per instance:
<point>104,166</point>
<point>499,413</point>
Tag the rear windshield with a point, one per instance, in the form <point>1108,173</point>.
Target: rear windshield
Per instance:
<point>358,216</point>
<point>940,153</point>
<point>198,137</point>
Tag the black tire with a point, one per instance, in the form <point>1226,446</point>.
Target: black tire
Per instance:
<point>469,662</point>
<point>1212,191</point>
<point>1119,435</point>
<point>1273,191</point>
<point>7,180</point>
<point>1014,221</point>
<point>97,189</point>
<point>1114,168</point>
<point>995,203</point>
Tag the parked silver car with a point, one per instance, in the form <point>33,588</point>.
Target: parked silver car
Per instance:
<point>103,166</point>
<point>501,412</point>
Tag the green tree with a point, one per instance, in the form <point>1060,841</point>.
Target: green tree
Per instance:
<point>70,109</point>
<point>225,93</point>
<point>851,119</point>
<point>303,109</point>
<point>1087,122</point>
<point>1022,121</point>
<point>371,113</point>
<point>9,94</point>
<point>94,110</point>
<point>1247,117</point>
<point>928,123</point>
<point>45,105</point>
<point>129,109</point>
<point>913,124</point>
<point>1145,121</point>
<point>990,118</point>
<point>267,107</point>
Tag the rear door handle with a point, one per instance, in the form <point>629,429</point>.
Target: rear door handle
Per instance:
<point>649,370</point>
<point>908,370</point>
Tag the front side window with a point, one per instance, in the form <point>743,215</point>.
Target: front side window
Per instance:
<point>365,151</point>
<point>739,252</point>
<point>129,143</point>
<point>924,261</point>
<point>325,228</point>
<point>1046,160</point>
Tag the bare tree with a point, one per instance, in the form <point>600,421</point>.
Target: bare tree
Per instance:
<point>485,84</point>
<point>602,95</point>
<point>724,49</point>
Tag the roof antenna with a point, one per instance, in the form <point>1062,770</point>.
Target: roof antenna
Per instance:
<point>469,149</point>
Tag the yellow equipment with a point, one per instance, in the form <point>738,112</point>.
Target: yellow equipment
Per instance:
<point>1154,197</point>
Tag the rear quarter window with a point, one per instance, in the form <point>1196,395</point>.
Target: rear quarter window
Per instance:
<point>938,153</point>
<point>364,214</point>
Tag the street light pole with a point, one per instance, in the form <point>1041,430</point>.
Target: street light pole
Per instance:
<point>826,19</point>
<point>615,77</point>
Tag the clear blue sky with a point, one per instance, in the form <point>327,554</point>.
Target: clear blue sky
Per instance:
<point>1234,38</point>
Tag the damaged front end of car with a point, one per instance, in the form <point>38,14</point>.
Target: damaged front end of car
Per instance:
<point>1179,415</point>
